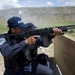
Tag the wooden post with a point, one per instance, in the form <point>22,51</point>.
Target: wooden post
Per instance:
<point>64,54</point>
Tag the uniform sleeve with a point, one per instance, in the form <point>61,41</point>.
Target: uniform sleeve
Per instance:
<point>9,51</point>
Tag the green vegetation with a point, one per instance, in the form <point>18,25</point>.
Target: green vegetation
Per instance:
<point>3,28</point>
<point>41,17</point>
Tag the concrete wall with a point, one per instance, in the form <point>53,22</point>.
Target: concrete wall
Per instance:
<point>64,53</point>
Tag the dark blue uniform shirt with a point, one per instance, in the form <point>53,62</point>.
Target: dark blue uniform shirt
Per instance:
<point>14,51</point>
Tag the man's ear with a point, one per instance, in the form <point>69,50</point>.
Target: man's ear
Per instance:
<point>13,30</point>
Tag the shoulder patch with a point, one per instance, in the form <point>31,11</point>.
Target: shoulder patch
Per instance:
<point>2,41</point>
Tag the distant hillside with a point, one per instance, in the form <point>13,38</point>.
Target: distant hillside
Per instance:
<point>42,17</point>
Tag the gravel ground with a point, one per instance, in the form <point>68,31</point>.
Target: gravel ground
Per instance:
<point>1,65</point>
<point>49,51</point>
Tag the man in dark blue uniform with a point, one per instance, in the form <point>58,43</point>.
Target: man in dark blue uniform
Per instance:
<point>16,50</point>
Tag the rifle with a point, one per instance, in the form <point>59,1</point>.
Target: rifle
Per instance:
<point>43,32</point>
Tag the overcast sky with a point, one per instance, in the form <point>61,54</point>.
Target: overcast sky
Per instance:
<point>6,4</point>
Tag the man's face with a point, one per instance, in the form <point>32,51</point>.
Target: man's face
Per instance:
<point>16,30</point>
